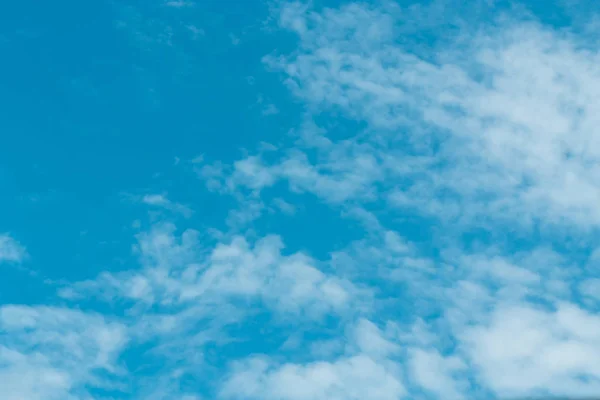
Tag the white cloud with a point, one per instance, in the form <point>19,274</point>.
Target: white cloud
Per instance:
<point>183,281</point>
<point>352,378</point>
<point>516,328</point>
<point>161,201</point>
<point>369,339</point>
<point>496,323</point>
<point>364,373</point>
<point>179,4</point>
<point>251,172</point>
<point>525,349</point>
<point>436,373</point>
<point>284,206</point>
<point>502,118</point>
<point>270,109</point>
<point>288,283</point>
<point>591,288</point>
<point>54,353</point>
<point>498,126</point>
<point>184,285</point>
<point>196,32</point>
<point>11,250</point>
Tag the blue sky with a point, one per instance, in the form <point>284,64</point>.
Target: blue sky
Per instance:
<point>299,201</point>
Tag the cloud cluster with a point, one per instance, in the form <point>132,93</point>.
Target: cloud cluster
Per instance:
<point>494,132</point>
<point>364,372</point>
<point>497,123</point>
<point>49,353</point>
<point>176,271</point>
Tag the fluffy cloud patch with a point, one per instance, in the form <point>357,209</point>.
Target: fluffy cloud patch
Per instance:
<point>55,353</point>
<point>525,349</point>
<point>179,270</point>
<point>365,372</point>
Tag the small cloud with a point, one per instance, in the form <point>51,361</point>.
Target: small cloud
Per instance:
<point>284,206</point>
<point>266,147</point>
<point>234,39</point>
<point>179,3</point>
<point>155,200</point>
<point>198,159</point>
<point>196,32</point>
<point>213,175</point>
<point>270,109</point>
<point>11,250</point>
<point>159,200</point>
<point>267,108</point>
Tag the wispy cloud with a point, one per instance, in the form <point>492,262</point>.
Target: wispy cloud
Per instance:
<point>179,4</point>
<point>161,201</point>
<point>463,178</point>
<point>506,109</point>
<point>53,353</point>
<point>179,270</point>
<point>363,373</point>
<point>493,129</point>
<point>11,250</point>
